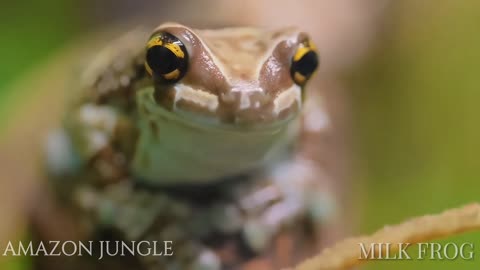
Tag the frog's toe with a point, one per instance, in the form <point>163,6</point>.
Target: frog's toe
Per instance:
<point>60,156</point>
<point>257,234</point>
<point>207,260</point>
<point>321,207</point>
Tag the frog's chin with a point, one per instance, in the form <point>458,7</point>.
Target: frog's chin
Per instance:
<point>209,122</point>
<point>174,149</point>
<point>146,100</point>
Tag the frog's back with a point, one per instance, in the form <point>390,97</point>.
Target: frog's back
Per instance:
<point>98,131</point>
<point>114,71</point>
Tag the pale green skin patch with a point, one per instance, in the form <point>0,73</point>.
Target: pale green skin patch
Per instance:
<point>185,151</point>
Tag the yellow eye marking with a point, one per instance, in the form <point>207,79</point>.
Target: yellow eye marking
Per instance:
<point>149,70</point>
<point>172,75</point>
<point>159,62</point>
<point>155,41</point>
<point>175,49</point>
<point>299,78</point>
<point>297,70</point>
<point>300,53</point>
<point>306,47</point>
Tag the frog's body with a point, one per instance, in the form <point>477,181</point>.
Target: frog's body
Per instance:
<point>226,105</point>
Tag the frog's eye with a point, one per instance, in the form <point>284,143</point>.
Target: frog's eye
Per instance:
<point>304,62</point>
<point>166,58</point>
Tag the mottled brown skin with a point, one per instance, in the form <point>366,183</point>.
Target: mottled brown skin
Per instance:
<point>111,82</point>
<point>288,248</point>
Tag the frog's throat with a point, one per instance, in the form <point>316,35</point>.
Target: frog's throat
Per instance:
<point>171,149</point>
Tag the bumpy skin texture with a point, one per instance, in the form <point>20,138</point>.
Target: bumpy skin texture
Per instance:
<point>215,225</point>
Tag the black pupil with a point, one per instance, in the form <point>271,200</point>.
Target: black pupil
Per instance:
<point>307,64</point>
<point>161,60</point>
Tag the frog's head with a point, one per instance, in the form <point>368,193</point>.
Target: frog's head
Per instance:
<point>222,100</point>
<point>230,77</point>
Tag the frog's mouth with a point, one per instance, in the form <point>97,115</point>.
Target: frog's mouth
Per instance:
<point>188,149</point>
<point>249,121</point>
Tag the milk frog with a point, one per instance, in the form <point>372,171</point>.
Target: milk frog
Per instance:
<point>182,134</point>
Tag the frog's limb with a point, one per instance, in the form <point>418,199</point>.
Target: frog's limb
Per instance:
<point>115,71</point>
<point>303,183</point>
<point>102,137</point>
<point>299,188</point>
<point>140,215</point>
<point>98,120</point>
<point>61,159</point>
<point>294,192</point>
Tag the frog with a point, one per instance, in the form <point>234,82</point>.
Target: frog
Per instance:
<point>182,133</point>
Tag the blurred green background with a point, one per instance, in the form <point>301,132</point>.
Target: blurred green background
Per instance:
<point>414,101</point>
<point>31,32</point>
<point>416,116</point>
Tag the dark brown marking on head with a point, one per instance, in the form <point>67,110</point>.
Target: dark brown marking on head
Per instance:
<point>231,64</point>
<point>165,96</point>
<point>273,78</point>
<point>202,72</point>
